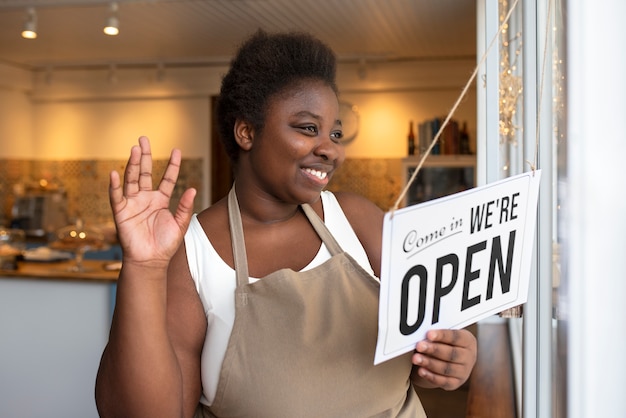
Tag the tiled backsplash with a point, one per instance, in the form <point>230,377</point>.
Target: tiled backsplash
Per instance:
<point>86,182</point>
<point>378,179</point>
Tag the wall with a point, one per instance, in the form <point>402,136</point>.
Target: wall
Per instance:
<point>390,94</point>
<point>87,129</point>
<point>385,119</point>
<point>15,113</point>
<point>97,114</point>
<point>72,105</point>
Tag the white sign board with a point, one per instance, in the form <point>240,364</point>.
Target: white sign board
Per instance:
<point>453,261</point>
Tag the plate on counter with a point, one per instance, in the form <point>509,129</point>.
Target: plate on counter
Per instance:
<point>112,266</point>
<point>46,254</point>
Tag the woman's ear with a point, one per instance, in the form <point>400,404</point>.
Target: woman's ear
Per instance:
<point>244,134</point>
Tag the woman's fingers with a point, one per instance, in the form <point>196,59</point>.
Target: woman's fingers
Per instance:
<point>138,174</point>
<point>145,164</point>
<point>131,174</point>
<point>446,357</point>
<point>116,194</point>
<point>445,374</point>
<point>168,182</point>
<point>184,211</point>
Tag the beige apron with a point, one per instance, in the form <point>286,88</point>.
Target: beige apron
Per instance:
<point>303,343</point>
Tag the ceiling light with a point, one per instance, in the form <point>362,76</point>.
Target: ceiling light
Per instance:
<point>30,25</point>
<point>112,26</point>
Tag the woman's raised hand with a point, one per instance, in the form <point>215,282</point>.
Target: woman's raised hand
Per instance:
<point>148,232</point>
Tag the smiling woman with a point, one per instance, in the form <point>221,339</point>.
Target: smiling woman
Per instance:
<point>230,277</point>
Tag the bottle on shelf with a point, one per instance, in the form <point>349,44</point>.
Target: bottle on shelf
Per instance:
<point>411,139</point>
<point>464,147</point>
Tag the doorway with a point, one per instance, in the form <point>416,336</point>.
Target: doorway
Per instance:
<point>221,168</point>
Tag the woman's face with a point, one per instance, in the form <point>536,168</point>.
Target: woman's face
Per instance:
<point>299,148</point>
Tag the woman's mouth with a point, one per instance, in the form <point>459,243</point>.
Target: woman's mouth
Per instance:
<point>319,174</point>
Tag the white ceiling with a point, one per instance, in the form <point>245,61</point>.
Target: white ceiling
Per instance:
<point>200,31</point>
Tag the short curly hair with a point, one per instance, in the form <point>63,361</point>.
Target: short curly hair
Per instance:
<point>264,66</point>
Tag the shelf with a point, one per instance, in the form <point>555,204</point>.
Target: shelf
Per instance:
<point>441,175</point>
<point>452,160</point>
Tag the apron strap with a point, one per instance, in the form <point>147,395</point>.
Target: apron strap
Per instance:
<point>236,236</point>
<point>238,243</point>
<point>322,230</point>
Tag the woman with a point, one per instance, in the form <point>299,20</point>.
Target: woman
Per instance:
<point>264,304</point>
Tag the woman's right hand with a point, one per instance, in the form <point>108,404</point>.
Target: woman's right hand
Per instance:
<point>150,305</point>
<point>149,233</point>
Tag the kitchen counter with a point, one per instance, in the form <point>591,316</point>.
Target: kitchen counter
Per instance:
<point>54,325</point>
<point>60,270</point>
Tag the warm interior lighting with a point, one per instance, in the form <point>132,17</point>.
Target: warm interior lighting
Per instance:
<point>30,26</point>
<point>112,26</point>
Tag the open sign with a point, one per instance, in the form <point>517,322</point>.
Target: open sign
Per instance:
<point>452,261</point>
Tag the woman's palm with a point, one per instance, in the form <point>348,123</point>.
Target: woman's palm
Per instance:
<point>147,230</point>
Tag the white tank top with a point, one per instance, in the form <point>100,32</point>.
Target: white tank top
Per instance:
<point>215,282</point>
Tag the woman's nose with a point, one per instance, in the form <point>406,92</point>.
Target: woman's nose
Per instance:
<point>329,149</point>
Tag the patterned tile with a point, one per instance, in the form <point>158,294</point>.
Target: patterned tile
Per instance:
<point>378,179</point>
<point>86,183</point>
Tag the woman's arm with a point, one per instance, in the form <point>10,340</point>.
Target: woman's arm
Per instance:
<point>146,368</point>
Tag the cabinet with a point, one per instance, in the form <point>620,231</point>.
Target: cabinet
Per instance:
<point>440,176</point>
<point>54,325</point>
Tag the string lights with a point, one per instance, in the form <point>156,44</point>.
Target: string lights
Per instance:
<point>510,91</point>
<point>510,83</point>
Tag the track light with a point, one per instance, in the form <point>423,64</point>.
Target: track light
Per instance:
<point>30,25</point>
<point>112,26</point>
<point>160,74</point>
<point>112,77</point>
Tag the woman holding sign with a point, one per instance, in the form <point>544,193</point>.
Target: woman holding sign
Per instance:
<point>264,304</point>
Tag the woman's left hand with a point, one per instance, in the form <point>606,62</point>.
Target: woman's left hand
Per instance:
<point>444,359</point>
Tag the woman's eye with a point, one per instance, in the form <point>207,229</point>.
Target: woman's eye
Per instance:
<point>310,128</point>
<point>336,136</point>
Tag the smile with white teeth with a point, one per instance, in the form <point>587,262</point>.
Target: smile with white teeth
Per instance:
<point>319,174</point>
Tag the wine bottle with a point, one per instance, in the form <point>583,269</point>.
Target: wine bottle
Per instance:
<point>411,139</point>
<point>464,147</point>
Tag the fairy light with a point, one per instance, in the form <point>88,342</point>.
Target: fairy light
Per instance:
<point>510,92</point>
<point>511,85</point>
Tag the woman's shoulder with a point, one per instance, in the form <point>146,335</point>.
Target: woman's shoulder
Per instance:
<point>364,216</point>
<point>356,206</point>
<point>214,216</point>
<point>366,219</point>
<point>214,223</point>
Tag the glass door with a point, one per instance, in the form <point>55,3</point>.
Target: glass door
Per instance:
<point>522,127</point>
